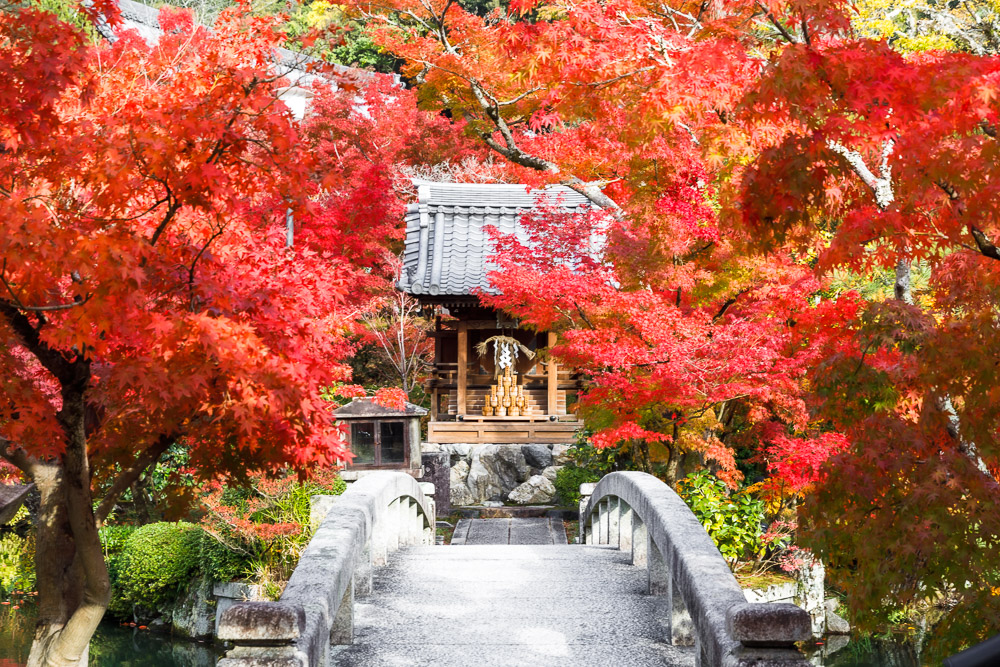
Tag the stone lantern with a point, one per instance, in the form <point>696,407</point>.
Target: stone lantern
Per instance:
<point>381,438</point>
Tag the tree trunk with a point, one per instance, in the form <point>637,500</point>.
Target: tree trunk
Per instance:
<point>72,578</point>
<point>902,289</point>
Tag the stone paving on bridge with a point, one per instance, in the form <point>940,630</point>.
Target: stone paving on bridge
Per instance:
<point>544,530</point>
<point>511,606</point>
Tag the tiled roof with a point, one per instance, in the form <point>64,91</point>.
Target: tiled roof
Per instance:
<point>367,407</point>
<point>447,249</point>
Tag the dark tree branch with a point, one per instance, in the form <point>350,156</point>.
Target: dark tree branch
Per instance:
<point>128,477</point>
<point>53,360</point>
<point>983,244</point>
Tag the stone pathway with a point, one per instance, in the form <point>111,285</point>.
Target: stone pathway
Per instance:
<point>545,530</point>
<point>510,606</point>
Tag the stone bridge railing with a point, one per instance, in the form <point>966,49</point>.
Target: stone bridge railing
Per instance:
<point>375,516</point>
<point>705,605</point>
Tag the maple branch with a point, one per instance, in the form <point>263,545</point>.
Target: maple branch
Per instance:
<point>582,314</point>
<point>520,97</point>
<point>728,303</point>
<point>687,129</point>
<point>608,82</point>
<point>146,458</point>
<point>15,455</point>
<point>983,244</point>
<point>52,360</point>
<point>77,300</point>
<point>965,448</point>
<point>777,24</point>
<point>194,262</point>
<point>167,218</point>
<point>881,185</point>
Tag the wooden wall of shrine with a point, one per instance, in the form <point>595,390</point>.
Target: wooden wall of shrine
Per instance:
<point>461,379</point>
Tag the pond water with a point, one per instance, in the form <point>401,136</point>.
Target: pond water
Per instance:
<point>112,645</point>
<point>842,651</point>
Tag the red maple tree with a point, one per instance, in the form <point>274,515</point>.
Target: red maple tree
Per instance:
<point>147,295</point>
<point>739,147</point>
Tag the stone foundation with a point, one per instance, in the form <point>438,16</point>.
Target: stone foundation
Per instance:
<point>492,474</point>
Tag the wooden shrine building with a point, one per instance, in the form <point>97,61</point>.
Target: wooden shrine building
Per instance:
<point>445,264</point>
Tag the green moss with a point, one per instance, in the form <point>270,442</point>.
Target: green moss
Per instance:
<point>763,580</point>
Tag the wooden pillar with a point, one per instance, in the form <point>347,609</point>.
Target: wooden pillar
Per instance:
<point>463,366</point>
<point>436,373</point>
<point>553,401</point>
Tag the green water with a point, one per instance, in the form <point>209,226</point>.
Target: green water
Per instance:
<point>112,645</point>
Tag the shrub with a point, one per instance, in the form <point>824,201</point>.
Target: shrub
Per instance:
<point>568,481</point>
<point>257,531</point>
<point>155,563</point>
<point>113,539</point>
<point>732,519</point>
<point>17,558</point>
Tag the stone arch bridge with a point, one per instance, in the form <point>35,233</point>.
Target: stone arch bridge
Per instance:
<point>648,587</point>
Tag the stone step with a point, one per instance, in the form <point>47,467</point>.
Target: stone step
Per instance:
<point>543,530</point>
<point>579,552</point>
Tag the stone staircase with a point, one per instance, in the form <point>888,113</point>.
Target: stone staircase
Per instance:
<point>510,605</point>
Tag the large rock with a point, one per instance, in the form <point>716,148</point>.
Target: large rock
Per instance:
<point>193,615</point>
<point>511,468</point>
<point>537,490</point>
<point>460,494</point>
<point>537,456</point>
<point>482,482</point>
<point>835,624</point>
<point>811,593</point>
<point>495,471</point>
<point>551,472</point>
<point>560,454</point>
<point>457,449</point>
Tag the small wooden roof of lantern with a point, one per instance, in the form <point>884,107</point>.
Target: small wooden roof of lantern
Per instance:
<point>382,438</point>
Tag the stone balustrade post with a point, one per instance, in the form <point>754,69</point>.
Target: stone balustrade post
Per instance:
<point>604,520</point>
<point>640,542</point>
<point>767,631</point>
<point>414,523</point>
<point>379,542</point>
<point>586,531</point>
<point>269,629</point>
<point>676,619</point>
<point>363,572</point>
<point>428,524</point>
<point>614,514</point>
<point>392,525</point>
<point>625,517</point>
<point>342,629</point>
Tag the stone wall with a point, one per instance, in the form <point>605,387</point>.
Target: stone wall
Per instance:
<point>495,474</point>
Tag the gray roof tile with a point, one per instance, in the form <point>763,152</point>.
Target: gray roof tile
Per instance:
<point>463,247</point>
